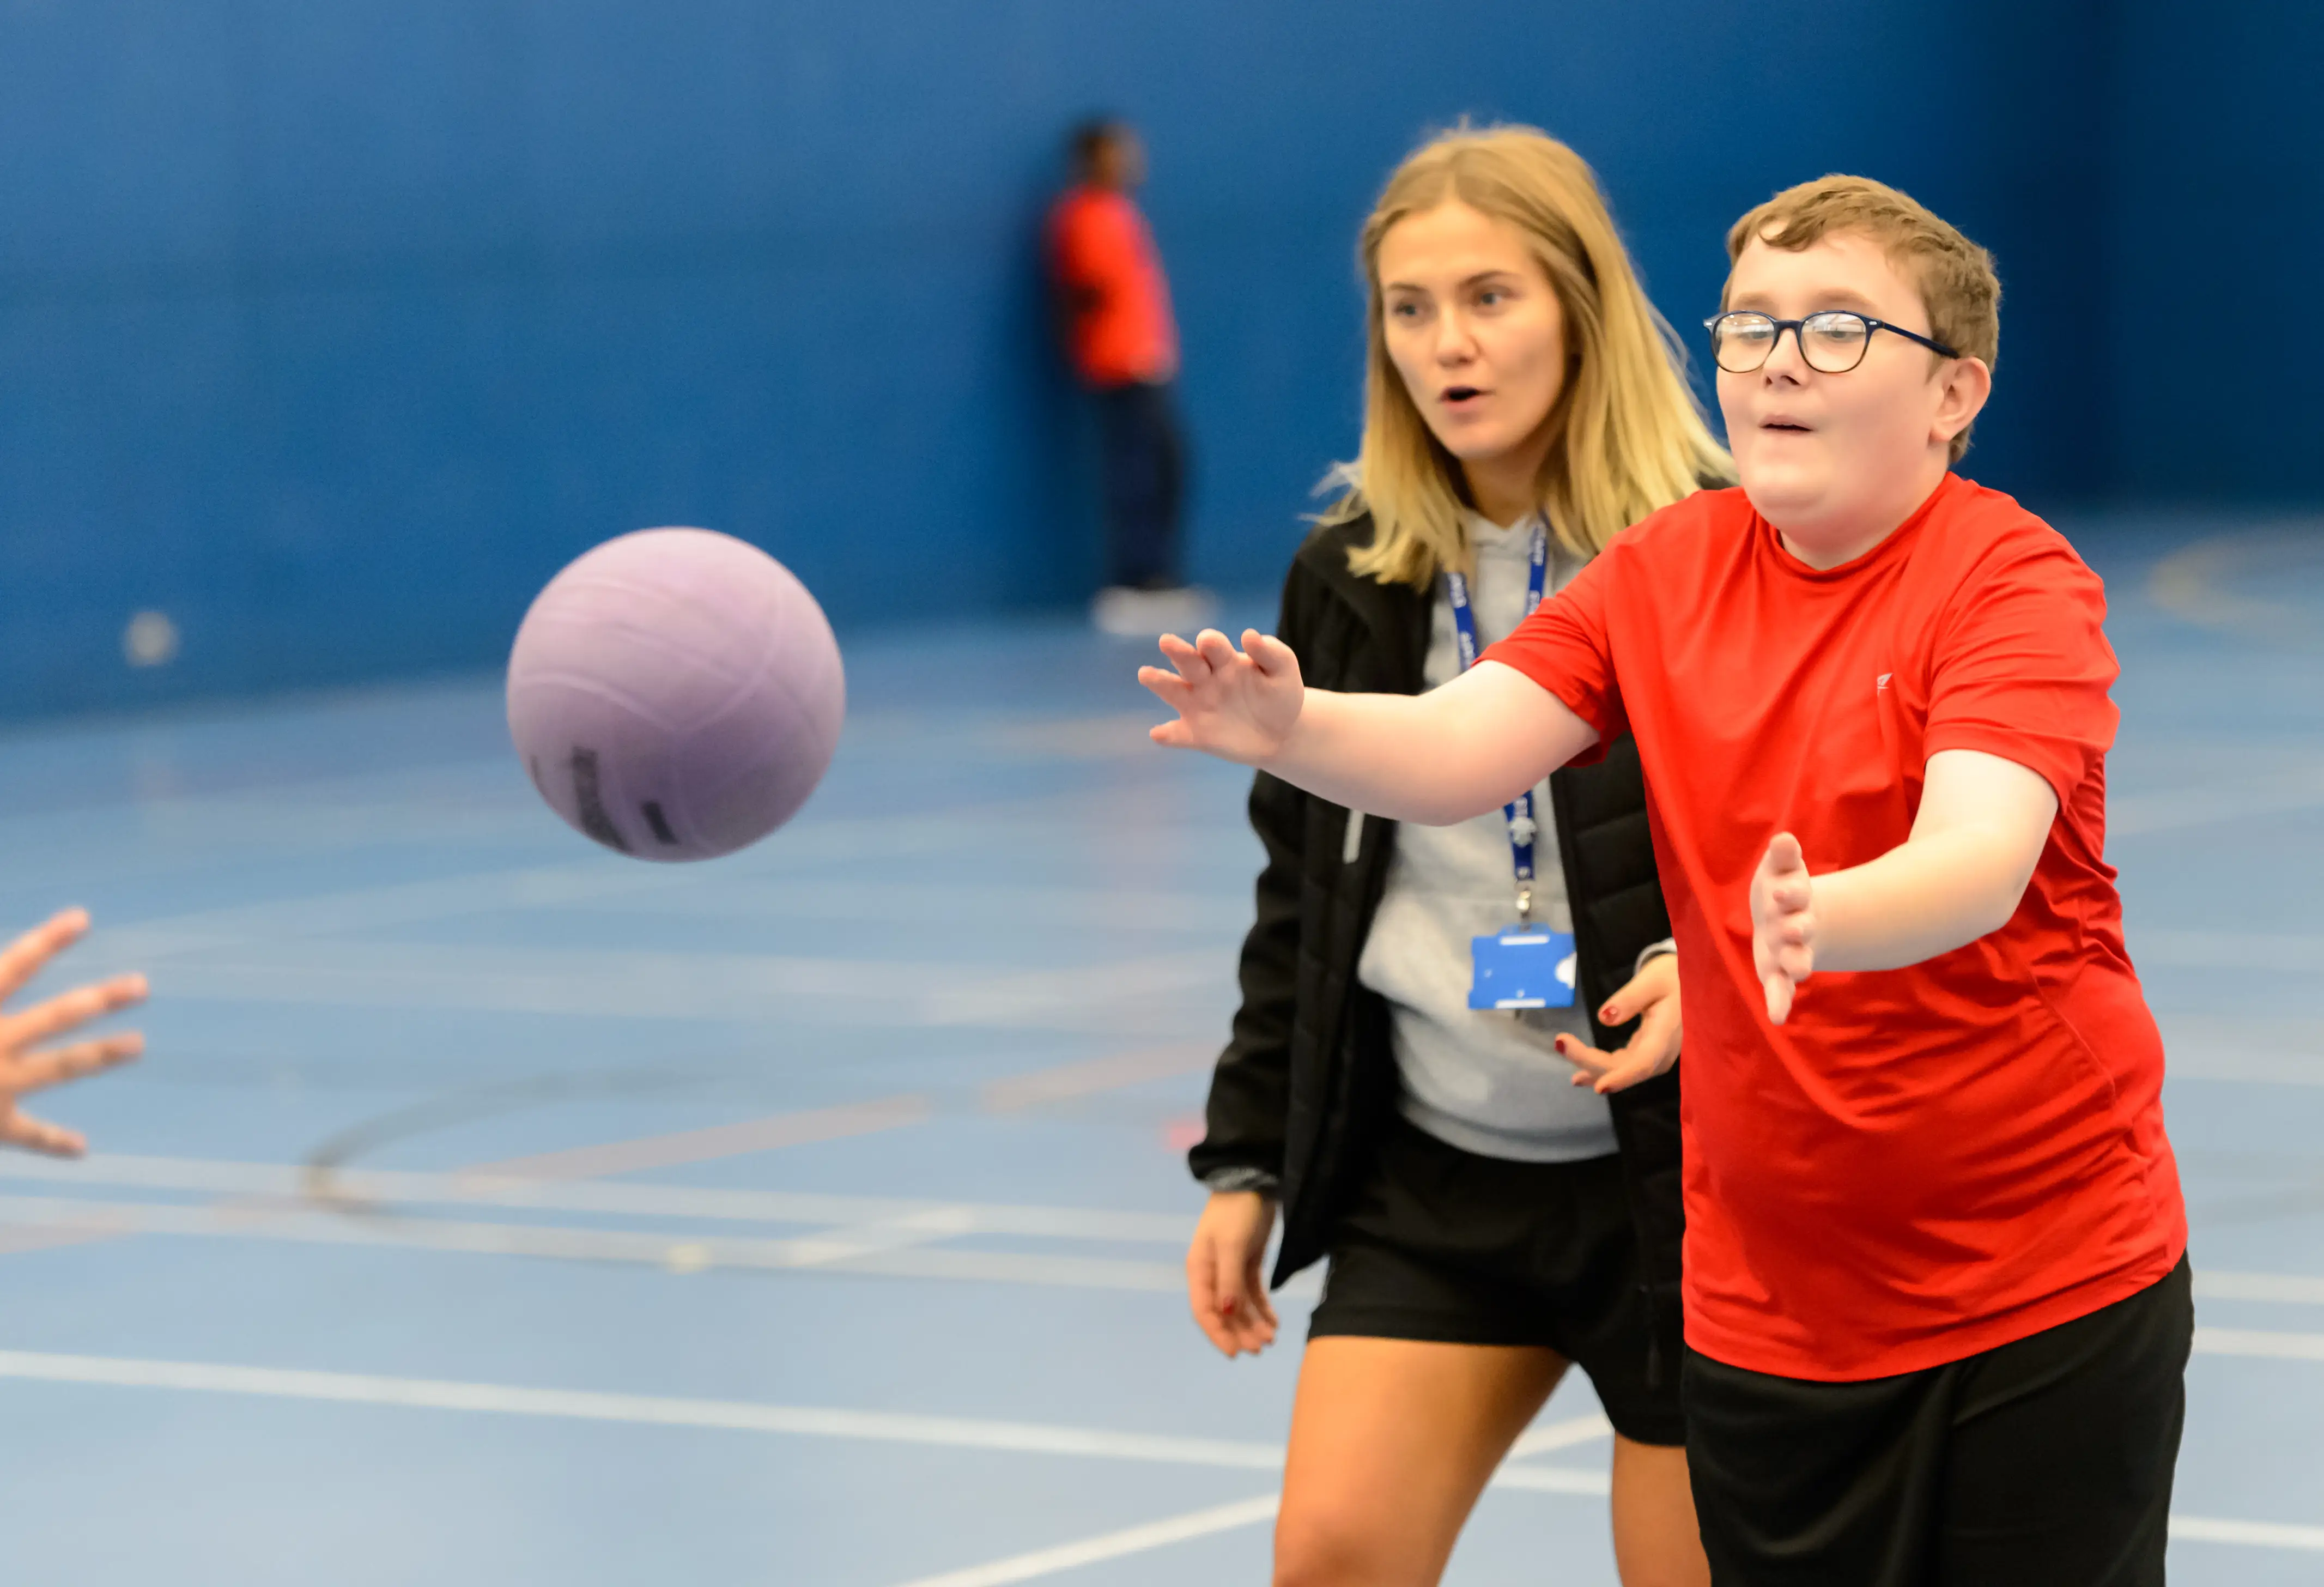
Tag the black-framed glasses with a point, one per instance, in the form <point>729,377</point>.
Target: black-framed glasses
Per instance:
<point>1832,341</point>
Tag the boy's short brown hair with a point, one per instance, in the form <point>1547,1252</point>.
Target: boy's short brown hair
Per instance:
<point>1956,277</point>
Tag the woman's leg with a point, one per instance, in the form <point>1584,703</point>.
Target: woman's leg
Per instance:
<point>1392,1440</point>
<point>1656,1543</point>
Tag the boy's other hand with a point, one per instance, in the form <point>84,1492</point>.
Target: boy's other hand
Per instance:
<point>1782,923</point>
<point>1651,995</point>
<point>1236,705</point>
<point>26,1067</point>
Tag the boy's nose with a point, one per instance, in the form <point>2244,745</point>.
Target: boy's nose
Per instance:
<point>1787,360</point>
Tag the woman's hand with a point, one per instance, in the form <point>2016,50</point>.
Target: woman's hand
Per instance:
<point>1783,923</point>
<point>1223,1277</point>
<point>24,1069</point>
<point>1239,705</point>
<point>1652,995</point>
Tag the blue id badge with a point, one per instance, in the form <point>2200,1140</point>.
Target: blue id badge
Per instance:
<point>1522,968</point>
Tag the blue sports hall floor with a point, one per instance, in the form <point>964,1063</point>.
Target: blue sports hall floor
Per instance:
<point>492,1209</point>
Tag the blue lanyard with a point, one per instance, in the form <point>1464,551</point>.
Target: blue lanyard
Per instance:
<point>1518,812</point>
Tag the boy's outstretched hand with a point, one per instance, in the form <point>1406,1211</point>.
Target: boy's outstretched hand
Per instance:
<point>1782,923</point>
<point>1238,704</point>
<point>25,1066</point>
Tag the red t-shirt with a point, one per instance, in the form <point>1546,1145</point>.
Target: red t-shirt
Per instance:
<point>1921,1164</point>
<point>1105,263</point>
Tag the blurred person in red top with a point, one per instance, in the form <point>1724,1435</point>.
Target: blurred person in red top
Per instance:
<point>1114,304</point>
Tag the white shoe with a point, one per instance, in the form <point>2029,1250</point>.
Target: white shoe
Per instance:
<point>1134,613</point>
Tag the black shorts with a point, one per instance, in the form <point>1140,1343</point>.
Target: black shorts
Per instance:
<point>1444,1245</point>
<point>2045,1462</point>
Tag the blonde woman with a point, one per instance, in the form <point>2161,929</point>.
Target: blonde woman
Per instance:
<point>1498,1196</point>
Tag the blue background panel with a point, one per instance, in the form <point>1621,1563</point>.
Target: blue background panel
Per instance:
<point>333,331</point>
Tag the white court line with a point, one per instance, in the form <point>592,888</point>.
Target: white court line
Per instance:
<point>2254,1534</point>
<point>647,1410</point>
<point>637,1409</point>
<point>662,985</point>
<point>859,898</point>
<point>817,1422</point>
<point>402,903</point>
<point>1227,1517</point>
<point>1553,1480</point>
<point>2173,809</point>
<point>892,1250</point>
<point>363,1190</point>
<point>807,845</point>
<point>303,1192</point>
<point>2206,1049</point>
<point>357,1189</point>
<point>2286,1289</point>
<point>2255,1342</point>
<point>1559,1435</point>
<point>2243,1066</point>
<point>2280,1052</point>
<point>2228,950</point>
<point>1090,1551</point>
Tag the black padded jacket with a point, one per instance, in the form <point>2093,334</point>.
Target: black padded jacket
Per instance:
<point>1307,1083</point>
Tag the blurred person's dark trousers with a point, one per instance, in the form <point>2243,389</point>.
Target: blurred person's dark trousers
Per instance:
<point>1145,463</point>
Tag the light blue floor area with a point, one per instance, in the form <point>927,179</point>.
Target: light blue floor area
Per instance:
<point>912,1306</point>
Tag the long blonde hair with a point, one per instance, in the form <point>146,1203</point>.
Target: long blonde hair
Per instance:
<point>1631,436</point>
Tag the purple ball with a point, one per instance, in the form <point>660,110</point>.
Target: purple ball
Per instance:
<point>676,694</point>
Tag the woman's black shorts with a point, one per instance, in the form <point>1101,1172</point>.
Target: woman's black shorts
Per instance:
<point>1444,1245</point>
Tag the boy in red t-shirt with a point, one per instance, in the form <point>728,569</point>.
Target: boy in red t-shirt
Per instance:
<point>1114,305</point>
<point>1937,1304</point>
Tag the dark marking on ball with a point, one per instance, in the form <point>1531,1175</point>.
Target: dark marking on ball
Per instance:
<point>594,819</point>
<point>655,819</point>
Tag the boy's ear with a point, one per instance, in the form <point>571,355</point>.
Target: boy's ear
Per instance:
<point>1966,384</point>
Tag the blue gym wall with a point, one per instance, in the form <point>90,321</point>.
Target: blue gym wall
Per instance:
<point>332,330</point>
<point>2218,244</point>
